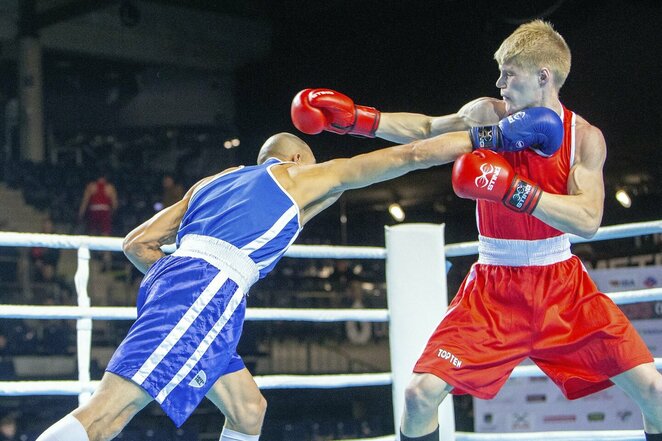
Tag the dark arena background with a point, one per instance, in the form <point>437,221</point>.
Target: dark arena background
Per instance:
<point>155,95</point>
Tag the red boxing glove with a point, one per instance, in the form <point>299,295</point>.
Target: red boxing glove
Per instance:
<point>484,174</point>
<point>314,110</point>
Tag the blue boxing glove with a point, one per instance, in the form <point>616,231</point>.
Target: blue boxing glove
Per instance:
<point>538,128</point>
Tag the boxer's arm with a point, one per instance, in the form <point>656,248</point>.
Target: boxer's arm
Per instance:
<point>142,246</point>
<point>312,184</point>
<point>406,127</point>
<point>317,207</point>
<point>579,212</point>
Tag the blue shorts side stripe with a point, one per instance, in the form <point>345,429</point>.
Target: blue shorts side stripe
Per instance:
<point>190,319</point>
<point>209,338</point>
<point>180,328</point>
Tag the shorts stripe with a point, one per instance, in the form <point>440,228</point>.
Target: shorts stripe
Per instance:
<point>234,302</point>
<point>180,328</point>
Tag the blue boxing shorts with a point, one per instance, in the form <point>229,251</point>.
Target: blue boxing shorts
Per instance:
<point>191,308</point>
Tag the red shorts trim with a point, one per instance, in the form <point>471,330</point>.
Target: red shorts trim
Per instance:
<point>552,314</point>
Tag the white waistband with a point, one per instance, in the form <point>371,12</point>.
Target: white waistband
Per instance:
<point>510,252</point>
<point>222,255</point>
<point>99,207</point>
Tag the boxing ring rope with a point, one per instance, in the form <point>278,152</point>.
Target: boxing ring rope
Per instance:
<point>602,435</point>
<point>84,314</point>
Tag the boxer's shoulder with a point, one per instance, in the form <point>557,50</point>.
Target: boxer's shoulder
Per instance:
<point>483,111</point>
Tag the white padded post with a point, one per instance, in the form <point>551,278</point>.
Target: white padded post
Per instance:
<point>83,325</point>
<point>417,300</point>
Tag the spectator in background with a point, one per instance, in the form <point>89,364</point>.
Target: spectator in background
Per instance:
<point>9,427</point>
<point>97,207</point>
<point>45,260</point>
<point>173,191</point>
<point>4,343</point>
<point>358,333</point>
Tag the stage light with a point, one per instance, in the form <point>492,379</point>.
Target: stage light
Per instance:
<point>231,143</point>
<point>396,212</point>
<point>623,198</point>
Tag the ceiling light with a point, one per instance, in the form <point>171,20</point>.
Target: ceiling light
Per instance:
<point>396,212</point>
<point>623,198</point>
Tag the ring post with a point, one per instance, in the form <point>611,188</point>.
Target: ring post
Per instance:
<point>83,325</point>
<point>417,300</point>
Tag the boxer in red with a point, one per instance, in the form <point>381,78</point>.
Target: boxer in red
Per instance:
<point>527,295</point>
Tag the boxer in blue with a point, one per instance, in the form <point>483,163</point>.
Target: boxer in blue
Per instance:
<point>230,230</point>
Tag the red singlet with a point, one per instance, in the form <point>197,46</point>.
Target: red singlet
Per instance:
<point>99,211</point>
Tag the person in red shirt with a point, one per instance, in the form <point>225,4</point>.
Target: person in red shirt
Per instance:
<point>97,206</point>
<point>527,296</point>
<point>96,209</point>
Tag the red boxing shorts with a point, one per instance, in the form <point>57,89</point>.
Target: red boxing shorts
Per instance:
<point>551,313</point>
<point>99,222</point>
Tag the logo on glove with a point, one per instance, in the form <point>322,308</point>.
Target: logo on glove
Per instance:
<point>516,116</point>
<point>485,137</point>
<point>520,195</point>
<point>319,93</point>
<point>484,180</point>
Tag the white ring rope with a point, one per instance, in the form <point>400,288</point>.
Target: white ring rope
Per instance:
<point>636,296</point>
<point>593,435</point>
<point>84,314</point>
<point>573,435</point>
<point>335,252</point>
<point>100,243</point>
<point>323,381</point>
<point>381,438</point>
<point>261,314</point>
<point>62,241</point>
<point>129,313</point>
<point>24,388</point>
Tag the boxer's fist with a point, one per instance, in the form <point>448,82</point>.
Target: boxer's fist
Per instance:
<point>484,174</point>
<point>314,110</point>
<point>538,128</point>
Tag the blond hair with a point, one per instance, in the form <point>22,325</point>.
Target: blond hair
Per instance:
<point>535,45</point>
